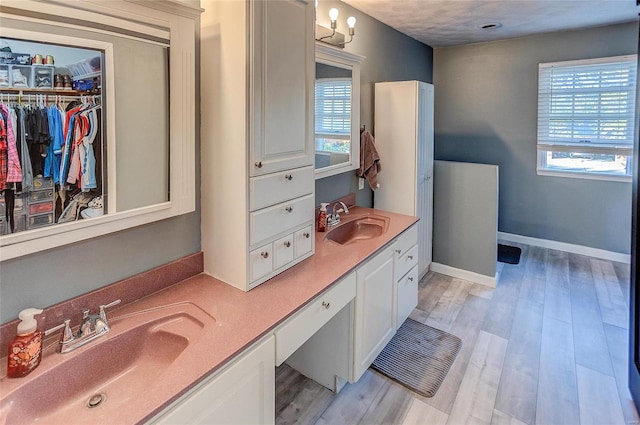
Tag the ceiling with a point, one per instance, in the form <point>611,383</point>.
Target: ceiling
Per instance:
<point>441,23</point>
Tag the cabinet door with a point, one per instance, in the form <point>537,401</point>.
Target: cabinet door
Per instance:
<point>281,85</point>
<point>282,251</point>
<point>375,312</point>
<point>424,202</point>
<point>261,261</point>
<point>244,393</point>
<point>406,296</point>
<point>303,241</point>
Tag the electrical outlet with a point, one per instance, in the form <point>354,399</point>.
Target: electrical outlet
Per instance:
<point>360,183</point>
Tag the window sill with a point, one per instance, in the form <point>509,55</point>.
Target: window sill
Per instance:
<point>585,176</point>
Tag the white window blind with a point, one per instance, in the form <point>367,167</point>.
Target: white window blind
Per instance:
<point>587,106</point>
<point>333,107</point>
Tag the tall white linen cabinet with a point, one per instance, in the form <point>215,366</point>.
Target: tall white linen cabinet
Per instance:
<point>404,140</point>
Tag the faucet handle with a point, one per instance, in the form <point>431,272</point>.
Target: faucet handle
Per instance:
<point>103,315</point>
<point>67,333</point>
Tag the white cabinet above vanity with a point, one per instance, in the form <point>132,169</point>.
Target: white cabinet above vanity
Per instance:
<point>257,148</point>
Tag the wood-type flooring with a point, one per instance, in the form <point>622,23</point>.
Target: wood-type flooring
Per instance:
<point>547,346</point>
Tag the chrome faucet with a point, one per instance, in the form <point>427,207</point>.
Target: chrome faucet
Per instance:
<point>93,326</point>
<point>334,217</point>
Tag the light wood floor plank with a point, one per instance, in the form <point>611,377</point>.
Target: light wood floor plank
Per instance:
<point>519,382</point>
<point>557,386</point>
<point>466,327</point>
<point>613,306</point>
<point>299,400</point>
<point>598,395</point>
<point>482,291</point>
<point>533,281</point>
<point>431,288</point>
<point>557,301</point>
<point>501,418</point>
<point>623,271</point>
<point>420,413</point>
<point>390,406</point>
<point>353,401</point>
<point>446,310</point>
<point>499,318</point>
<point>618,340</point>
<point>477,394</point>
<point>590,342</point>
<point>419,315</point>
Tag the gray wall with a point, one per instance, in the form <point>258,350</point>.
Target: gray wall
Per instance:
<point>486,112</point>
<point>46,278</point>
<point>390,56</point>
<point>465,209</point>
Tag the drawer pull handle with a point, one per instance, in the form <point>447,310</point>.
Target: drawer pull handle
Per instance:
<point>287,244</point>
<point>326,305</point>
<point>410,279</point>
<point>398,251</point>
<point>289,209</point>
<point>264,255</point>
<point>410,257</point>
<point>288,177</point>
<point>306,235</point>
<point>259,164</point>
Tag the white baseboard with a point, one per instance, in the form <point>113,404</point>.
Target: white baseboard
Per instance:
<point>465,274</point>
<point>567,247</point>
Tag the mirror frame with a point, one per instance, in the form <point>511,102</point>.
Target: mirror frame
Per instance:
<point>158,20</point>
<point>333,56</point>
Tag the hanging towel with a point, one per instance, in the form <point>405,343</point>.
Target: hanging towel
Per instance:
<point>369,160</point>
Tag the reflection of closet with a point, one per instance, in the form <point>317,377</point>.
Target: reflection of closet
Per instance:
<point>60,176</point>
<point>257,138</point>
<point>52,155</point>
<point>404,140</point>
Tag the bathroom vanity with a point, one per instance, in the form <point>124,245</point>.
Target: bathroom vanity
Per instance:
<point>328,317</point>
<point>212,349</point>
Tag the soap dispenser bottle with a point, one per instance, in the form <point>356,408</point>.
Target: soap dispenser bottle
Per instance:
<point>322,217</point>
<point>25,350</point>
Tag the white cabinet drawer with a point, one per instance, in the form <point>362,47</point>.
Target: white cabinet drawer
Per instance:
<point>277,219</point>
<point>282,251</point>
<point>299,328</point>
<point>279,187</point>
<point>406,240</point>
<point>261,261</point>
<point>406,261</point>
<point>407,295</point>
<point>303,241</point>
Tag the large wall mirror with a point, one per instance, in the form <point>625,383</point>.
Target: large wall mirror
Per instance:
<point>101,104</point>
<point>337,111</point>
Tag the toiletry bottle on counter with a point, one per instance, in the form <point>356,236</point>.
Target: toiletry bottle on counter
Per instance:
<point>25,350</point>
<point>322,217</point>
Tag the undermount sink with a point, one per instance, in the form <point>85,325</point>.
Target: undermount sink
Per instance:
<point>90,384</point>
<point>366,227</point>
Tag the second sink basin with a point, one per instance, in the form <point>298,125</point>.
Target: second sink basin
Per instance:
<point>366,227</point>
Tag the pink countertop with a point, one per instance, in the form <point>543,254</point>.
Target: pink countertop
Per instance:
<point>242,318</point>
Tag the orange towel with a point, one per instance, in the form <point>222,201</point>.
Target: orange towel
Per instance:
<point>369,160</point>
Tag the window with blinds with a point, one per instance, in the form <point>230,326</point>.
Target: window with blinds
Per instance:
<point>333,107</point>
<point>586,117</point>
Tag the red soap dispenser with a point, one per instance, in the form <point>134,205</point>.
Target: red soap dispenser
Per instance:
<point>322,217</point>
<point>25,351</point>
